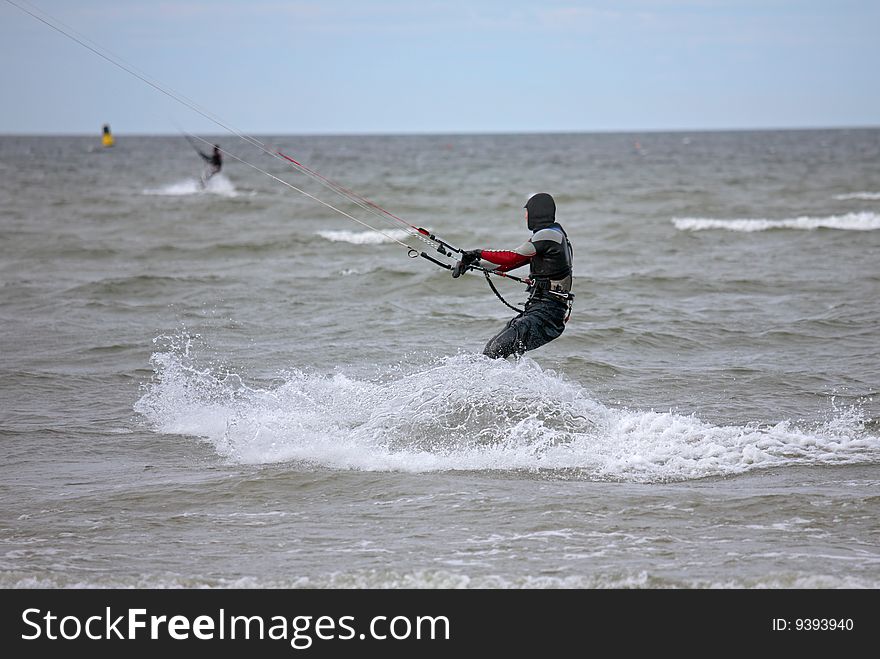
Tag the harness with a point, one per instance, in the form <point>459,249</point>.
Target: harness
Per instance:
<point>560,289</point>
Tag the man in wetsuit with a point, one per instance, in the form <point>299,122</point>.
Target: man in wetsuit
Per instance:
<point>549,255</point>
<point>215,163</point>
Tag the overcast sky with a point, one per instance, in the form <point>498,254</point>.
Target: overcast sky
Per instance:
<point>420,66</point>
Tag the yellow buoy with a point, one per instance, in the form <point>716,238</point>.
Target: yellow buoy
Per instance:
<point>107,139</point>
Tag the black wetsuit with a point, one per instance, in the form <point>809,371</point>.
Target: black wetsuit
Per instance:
<point>549,255</point>
<point>215,161</point>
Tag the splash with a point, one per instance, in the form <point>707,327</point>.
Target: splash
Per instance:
<point>216,185</point>
<point>364,237</point>
<point>850,222</point>
<point>469,413</point>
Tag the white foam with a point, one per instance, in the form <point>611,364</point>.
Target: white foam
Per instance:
<point>864,196</point>
<point>365,237</point>
<point>216,185</point>
<point>864,221</point>
<point>470,413</point>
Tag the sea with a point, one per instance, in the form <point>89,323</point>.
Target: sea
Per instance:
<point>256,383</point>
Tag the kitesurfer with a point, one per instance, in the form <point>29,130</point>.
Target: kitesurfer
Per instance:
<point>107,137</point>
<point>215,163</point>
<point>549,255</point>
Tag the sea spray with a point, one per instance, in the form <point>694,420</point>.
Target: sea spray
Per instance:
<point>469,413</point>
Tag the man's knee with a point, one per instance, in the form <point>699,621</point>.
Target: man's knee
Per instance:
<point>504,344</point>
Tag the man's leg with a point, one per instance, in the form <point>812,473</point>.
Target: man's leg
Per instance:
<point>505,343</point>
<point>541,323</point>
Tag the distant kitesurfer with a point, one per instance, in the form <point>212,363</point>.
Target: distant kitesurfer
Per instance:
<point>107,136</point>
<point>215,163</point>
<point>549,255</point>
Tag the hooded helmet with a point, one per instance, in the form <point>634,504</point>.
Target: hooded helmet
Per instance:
<point>542,211</point>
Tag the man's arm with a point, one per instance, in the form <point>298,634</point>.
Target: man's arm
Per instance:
<point>505,260</point>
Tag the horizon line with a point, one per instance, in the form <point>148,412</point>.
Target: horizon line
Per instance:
<point>140,133</point>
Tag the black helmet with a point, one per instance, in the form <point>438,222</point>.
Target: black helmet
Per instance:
<point>542,210</point>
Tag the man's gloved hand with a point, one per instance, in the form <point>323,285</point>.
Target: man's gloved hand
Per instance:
<point>467,260</point>
<point>471,256</point>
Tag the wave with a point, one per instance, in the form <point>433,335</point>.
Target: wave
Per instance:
<point>865,221</point>
<point>865,196</point>
<point>216,185</point>
<point>365,237</point>
<point>473,414</point>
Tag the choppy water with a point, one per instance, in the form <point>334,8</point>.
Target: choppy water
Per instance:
<point>236,386</point>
